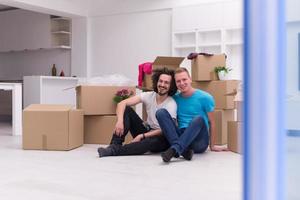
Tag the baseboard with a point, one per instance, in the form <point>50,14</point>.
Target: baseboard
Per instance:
<point>293,133</point>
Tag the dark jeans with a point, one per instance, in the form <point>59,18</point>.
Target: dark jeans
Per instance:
<point>195,136</point>
<point>136,126</point>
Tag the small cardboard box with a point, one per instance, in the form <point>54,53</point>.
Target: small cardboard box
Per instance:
<point>98,100</point>
<point>98,129</point>
<point>147,82</point>
<point>169,62</point>
<point>239,110</point>
<point>160,62</point>
<point>221,119</point>
<point>52,127</point>
<point>202,66</point>
<point>219,90</point>
<point>235,136</point>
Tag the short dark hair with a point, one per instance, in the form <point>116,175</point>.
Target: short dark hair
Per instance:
<point>155,77</point>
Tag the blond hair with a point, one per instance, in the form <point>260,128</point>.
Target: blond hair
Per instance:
<point>182,69</point>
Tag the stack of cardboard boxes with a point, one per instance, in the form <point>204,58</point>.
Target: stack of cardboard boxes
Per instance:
<point>99,112</point>
<point>204,78</point>
<point>235,127</point>
<point>60,127</point>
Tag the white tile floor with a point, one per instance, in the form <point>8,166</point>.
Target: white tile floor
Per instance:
<point>80,175</point>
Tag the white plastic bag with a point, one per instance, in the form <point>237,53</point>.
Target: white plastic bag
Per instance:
<point>108,80</point>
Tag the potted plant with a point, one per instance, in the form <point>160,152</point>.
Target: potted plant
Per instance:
<point>222,72</point>
<point>122,94</point>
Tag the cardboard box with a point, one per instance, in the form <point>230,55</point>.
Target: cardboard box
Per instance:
<point>169,62</point>
<point>239,110</point>
<point>99,129</point>
<point>202,66</point>
<point>214,76</point>
<point>52,127</point>
<point>98,100</point>
<point>219,90</point>
<point>221,119</point>
<point>160,62</point>
<point>235,136</point>
<point>147,82</point>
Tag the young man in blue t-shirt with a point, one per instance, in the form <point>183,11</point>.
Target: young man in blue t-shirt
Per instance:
<point>195,121</point>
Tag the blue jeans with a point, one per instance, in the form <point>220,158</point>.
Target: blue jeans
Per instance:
<point>195,136</point>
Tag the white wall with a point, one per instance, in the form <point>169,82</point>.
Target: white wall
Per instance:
<point>109,7</point>
<point>118,43</point>
<point>79,52</point>
<point>292,10</point>
<point>292,73</point>
<point>293,28</point>
<point>138,35</point>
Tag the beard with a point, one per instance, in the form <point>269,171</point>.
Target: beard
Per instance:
<point>162,91</point>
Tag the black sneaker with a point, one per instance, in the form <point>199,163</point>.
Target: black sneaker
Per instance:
<point>105,151</point>
<point>188,154</point>
<point>167,155</point>
<point>111,150</point>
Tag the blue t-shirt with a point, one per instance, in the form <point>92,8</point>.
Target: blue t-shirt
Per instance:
<point>199,104</point>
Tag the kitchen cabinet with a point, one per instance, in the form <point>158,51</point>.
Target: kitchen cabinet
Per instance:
<point>26,30</point>
<point>49,90</point>
<point>61,32</point>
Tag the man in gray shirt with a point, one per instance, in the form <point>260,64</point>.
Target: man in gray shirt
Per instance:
<point>147,136</point>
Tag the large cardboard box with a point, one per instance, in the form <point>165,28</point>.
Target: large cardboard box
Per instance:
<point>98,100</point>
<point>235,136</point>
<point>99,129</point>
<point>52,127</point>
<point>160,62</point>
<point>219,90</point>
<point>221,119</point>
<point>203,66</point>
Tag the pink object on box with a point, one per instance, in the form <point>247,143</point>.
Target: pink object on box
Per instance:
<point>144,68</point>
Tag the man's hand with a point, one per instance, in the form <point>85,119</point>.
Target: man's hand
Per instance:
<point>119,128</point>
<point>137,138</point>
<point>218,148</point>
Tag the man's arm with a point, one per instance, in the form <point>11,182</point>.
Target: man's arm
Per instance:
<point>145,135</point>
<point>212,134</point>
<point>119,128</point>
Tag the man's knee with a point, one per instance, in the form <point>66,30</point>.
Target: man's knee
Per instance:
<point>161,113</point>
<point>128,109</point>
<point>198,120</point>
